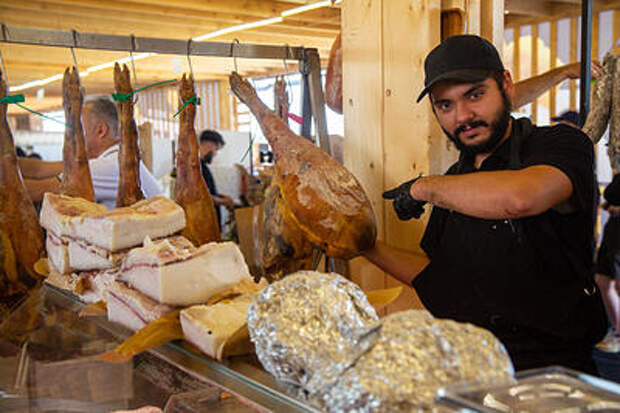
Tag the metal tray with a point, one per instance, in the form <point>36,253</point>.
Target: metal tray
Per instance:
<point>551,389</point>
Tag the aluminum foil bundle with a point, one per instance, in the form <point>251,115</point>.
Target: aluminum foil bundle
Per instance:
<point>413,356</point>
<point>309,327</point>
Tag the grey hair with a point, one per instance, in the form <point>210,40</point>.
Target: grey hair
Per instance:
<point>105,109</point>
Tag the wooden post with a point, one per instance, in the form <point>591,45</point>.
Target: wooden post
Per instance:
<point>492,22</point>
<point>226,104</point>
<point>534,68</point>
<point>389,137</point>
<point>553,39</point>
<point>573,58</point>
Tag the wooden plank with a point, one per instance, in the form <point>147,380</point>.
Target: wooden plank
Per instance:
<point>616,27</point>
<point>492,22</point>
<point>362,32</point>
<point>472,12</point>
<point>516,55</point>
<point>595,34</point>
<point>225,105</point>
<point>573,58</point>
<point>553,51</point>
<point>529,7</point>
<point>534,68</point>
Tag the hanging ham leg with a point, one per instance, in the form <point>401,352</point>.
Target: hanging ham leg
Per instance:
<point>190,188</point>
<point>76,180</point>
<point>129,191</point>
<point>21,238</point>
<point>283,246</point>
<point>321,196</point>
<point>333,79</point>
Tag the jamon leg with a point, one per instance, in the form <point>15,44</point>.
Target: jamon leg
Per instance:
<point>76,180</point>
<point>321,196</point>
<point>129,191</point>
<point>21,238</point>
<point>333,79</point>
<point>190,188</point>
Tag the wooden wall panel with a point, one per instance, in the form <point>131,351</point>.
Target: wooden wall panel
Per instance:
<point>534,67</point>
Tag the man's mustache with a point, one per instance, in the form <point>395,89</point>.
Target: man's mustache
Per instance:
<point>471,125</point>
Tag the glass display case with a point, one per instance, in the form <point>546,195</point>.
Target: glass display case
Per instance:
<point>48,363</point>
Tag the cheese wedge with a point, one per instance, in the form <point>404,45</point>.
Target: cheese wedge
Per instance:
<point>218,330</point>
<point>57,252</point>
<point>120,228</point>
<point>173,271</point>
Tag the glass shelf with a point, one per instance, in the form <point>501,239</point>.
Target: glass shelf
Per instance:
<point>47,363</point>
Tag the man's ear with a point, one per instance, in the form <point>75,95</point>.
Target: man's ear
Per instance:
<point>509,86</point>
<point>102,129</point>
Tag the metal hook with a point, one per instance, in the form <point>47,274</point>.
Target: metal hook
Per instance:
<point>232,53</point>
<point>5,75</point>
<point>133,68</point>
<point>75,63</point>
<point>189,59</point>
<point>287,79</point>
<point>5,32</point>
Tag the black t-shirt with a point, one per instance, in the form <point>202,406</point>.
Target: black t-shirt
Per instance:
<point>530,271</point>
<point>208,177</point>
<point>612,192</point>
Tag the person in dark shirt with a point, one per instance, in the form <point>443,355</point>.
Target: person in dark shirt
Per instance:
<point>608,265</point>
<point>509,243</point>
<point>210,143</point>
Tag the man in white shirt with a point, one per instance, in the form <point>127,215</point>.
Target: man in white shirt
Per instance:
<point>100,123</point>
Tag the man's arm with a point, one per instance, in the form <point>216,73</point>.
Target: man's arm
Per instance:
<point>38,169</point>
<point>497,194</point>
<point>402,265</point>
<point>528,90</point>
<point>225,200</point>
<point>37,187</point>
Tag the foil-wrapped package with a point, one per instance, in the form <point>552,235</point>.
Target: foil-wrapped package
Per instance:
<point>413,356</point>
<point>309,327</point>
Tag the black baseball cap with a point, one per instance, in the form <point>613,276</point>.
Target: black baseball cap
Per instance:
<point>568,116</point>
<point>467,58</point>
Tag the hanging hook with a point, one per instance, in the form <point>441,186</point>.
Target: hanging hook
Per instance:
<point>133,68</point>
<point>189,59</point>
<point>289,90</point>
<point>232,53</point>
<point>4,74</point>
<point>75,63</point>
<point>5,32</point>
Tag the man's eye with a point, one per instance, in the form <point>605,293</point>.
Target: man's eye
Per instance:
<point>476,95</point>
<point>443,106</point>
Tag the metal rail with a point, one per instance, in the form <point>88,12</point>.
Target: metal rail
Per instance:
<point>586,58</point>
<point>96,41</point>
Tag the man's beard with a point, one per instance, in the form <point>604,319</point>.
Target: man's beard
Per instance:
<point>498,130</point>
<point>208,157</point>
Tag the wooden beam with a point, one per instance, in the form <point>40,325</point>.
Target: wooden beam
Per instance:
<point>553,50</point>
<point>616,29</point>
<point>534,68</point>
<point>95,7</point>
<point>595,35</point>
<point>560,11</point>
<point>20,14</point>
<point>529,7</point>
<point>516,55</point>
<point>573,58</point>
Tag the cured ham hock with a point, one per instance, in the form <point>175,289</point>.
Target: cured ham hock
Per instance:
<point>76,180</point>
<point>129,191</point>
<point>21,238</point>
<point>190,188</point>
<point>321,196</point>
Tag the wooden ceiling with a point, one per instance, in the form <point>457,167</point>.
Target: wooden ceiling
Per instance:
<point>182,19</point>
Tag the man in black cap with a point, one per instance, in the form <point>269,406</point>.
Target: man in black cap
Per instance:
<point>509,241</point>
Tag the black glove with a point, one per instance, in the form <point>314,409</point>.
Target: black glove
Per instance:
<point>405,205</point>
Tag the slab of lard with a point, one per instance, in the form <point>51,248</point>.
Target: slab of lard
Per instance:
<point>173,271</point>
<point>81,220</point>
<point>131,308</point>
<point>57,253</point>
<point>209,327</point>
